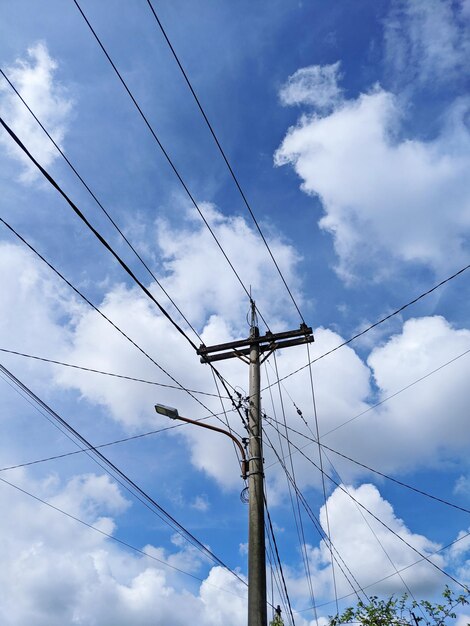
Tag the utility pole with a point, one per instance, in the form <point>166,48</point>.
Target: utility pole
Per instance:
<point>250,351</point>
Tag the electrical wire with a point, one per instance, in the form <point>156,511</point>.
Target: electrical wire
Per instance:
<point>99,204</point>
<point>97,310</point>
<point>275,578</point>
<point>164,152</point>
<point>377,323</point>
<point>396,393</point>
<point>278,558</point>
<point>402,569</point>
<point>119,475</point>
<point>297,513</point>
<point>270,551</point>
<point>113,374</point>
<point>107,214</point>
<point>322,452</point>
<point>440,569</point>
<point>316,523</point>
<point>383,475</point>
<point>115,539</point>
<point>103,241</point>
<point>376,537</point>
<point>224,156</point>
<point>102,445</point>
<point>374,406</point>
<point>325,499</point>
<point>100,237</point>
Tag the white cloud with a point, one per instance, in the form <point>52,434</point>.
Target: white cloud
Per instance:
<point>71,574</point>
<point>35,306</point>
<point>462,485</point>
<point>189,252</point>
<point>408,431</point>
<point>364,549</point>
<point>385,198</point>
<point>316,85</point>
<point>200,503</point>
<point>357,544</point>
<point>35,80</point>
<point>427,41</point>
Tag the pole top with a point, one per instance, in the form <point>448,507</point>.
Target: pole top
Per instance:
<point>254,319</point>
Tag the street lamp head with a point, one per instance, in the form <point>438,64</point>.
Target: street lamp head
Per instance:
<point>167,410</point>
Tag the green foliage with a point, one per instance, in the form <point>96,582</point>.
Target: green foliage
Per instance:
<point>403,611</point>
<point>276,621</point>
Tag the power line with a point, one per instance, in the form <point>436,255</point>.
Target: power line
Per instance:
<point>100,205</point>
<point>325,499</point>
<point>100,238</point>
<point>398,482</point>
<point>367,467</point>
<point>224,156</point>
<point>165,153</point>
<point>95,308</point>
<point>408,590</point>
<point>345,490</point>
<point>275,575</point>
<point>103,241</point>
<point>377,323</point>
<point>415,382</point>
<point>278,558</point>
<point>382,522</point>
<point>109,536</point>
<point>102,445</point>
<point>317,524</point>
<point>119,475</point>
<point>376,537</point>
<point>402,569</point>
<point>122,376</point>
<point>386,399</point>
<point>297,515</point>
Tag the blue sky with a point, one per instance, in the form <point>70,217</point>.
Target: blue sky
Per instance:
<point>347,126</point>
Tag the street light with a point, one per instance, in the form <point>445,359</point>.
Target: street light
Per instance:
<point>167,410</point>
<point>173,414</point>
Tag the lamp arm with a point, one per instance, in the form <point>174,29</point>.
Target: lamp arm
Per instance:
<point>224,432</point>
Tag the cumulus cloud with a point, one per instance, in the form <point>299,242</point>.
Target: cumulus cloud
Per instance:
<point>71,332</point>
<point>462,486</point>
<point>386,198</point>
<point>71,574</point>
<point>408,431</point>
<point>34,78</point>
<point>35,306</point>
<point>389,196</point>
<point>316,85</point>
<point>188,250</point>
<point>370,551</point>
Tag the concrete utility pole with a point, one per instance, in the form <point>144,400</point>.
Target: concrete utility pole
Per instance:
<point>249,350</point>
<point>257,609</point>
